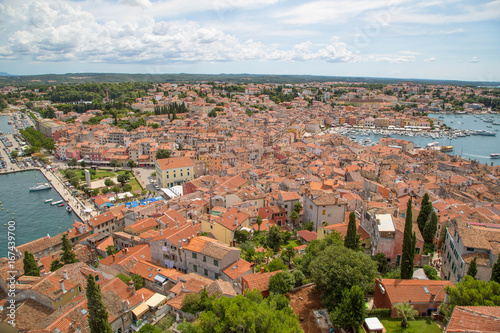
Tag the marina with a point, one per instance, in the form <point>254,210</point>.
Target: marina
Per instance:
<point>470,139</point>
<point>37,220</point>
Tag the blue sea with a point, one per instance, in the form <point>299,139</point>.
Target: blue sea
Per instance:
<point>34,218</point>
<point>472,147</point>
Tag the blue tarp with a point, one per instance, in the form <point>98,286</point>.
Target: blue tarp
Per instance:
<point>109,204</point>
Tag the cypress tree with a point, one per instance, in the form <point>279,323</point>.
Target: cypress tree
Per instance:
<point>30,266</point>
<point>430,229</point>
<point>425,211</point>
<point>98,315</point>
<point>409,241</point>
<point>472,271</point>
<point>495,272</point>
<point>68,256</point>
<point>351,240</point>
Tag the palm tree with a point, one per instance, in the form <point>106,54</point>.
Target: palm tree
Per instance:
<point>294,216</point>
<point>406,311</point>
<point>259,221</point>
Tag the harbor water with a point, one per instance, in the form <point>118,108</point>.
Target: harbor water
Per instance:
<point>33,217</point>
<point>474,147</point>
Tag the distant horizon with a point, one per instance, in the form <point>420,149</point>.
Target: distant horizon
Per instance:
<point>491,84</point>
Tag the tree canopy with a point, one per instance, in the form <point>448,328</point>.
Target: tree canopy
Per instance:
<point>98,314</point>
<point>350,312</point>
<point>68,256</point>
<point>29,265</point>
<point>471,292</point>
<point>162,153</point>
<point>247,313</point>
<point>409,241</point>
<point>281,283</point>
<point>351,240</point>
<point>336,268</point>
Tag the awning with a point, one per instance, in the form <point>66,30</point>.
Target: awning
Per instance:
<point>160,278</point>
<point>140,310</point>
<point>156,300</point>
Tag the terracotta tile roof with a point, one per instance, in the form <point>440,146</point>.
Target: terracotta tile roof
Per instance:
<point>210,247</point>
<point>402,291</point>
<point>138,252</point>
<point>259,280</point>
<point>148,270</point>
<point>307,235</point>
<point>194,284</point>
<point>29,315</point>
<point>237,268</point>
<point>221,288</point>
<point>474,319</point>
<point>174,163</point>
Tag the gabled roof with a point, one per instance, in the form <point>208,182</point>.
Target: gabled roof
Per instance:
<point>210,247</point>
<point>474,319</point>
<point>237,268</point>
<point>404,291</point>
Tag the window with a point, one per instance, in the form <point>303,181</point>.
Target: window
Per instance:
<point>205,271</point>
<point>398,259</point>
<point>417,250</point>
<point>470,249</point>
<point>194,255</point>
<point>204,259</point>
<point>324,211</point>
<point>195,268</point>
<point>216,276</point>
<point>216,263</point>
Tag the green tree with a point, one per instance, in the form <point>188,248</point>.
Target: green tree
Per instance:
<point>138,281</point>
<point>111,249</point>
<point>194,302</point>
<point>350,312</point>
<point>308,225</point>
<point>495,272</point>
<point>381,260</point>
<point>275,238</point>
<point>276,265</point>
<point>68,256</point>
<point>162,153</point>
<point>14,154</point>
<point>425,212</point>
<point>131,164</point>
<point>212,113</point>
<point>148,328</point>
<point>289,253</point>
<point>55,265</point>
<point>124,277</point>
<point>472,271</point>
<point>98,314</point>
<point>115,189</point>
<point>72,162</point>
<point>281,283</point>
<point>127,188</point>
<point>430,229</point>
<point>114,164</point>
<point>83,164</point>
<point>248,313</point>
<point>123,178</point>
<point>297,207</point>
<point>337,268</point>
<point>108,182</point>
<point>294,216</point>
<point>351,240</point>
<point>407,312</point>
<point>472,292</point>
<point>259,222</point>
<point>29,265</point>
<point>409,241</point>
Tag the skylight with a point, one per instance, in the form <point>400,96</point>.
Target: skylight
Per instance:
<point>426,290</point>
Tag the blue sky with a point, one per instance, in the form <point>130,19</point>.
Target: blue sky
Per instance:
<point>429,39</point>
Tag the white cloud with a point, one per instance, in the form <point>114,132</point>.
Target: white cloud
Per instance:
<point>474,59</point>
<point>448,32</point>
<point>136,3</point>
<point>410,52</point>
<point>430,59</point>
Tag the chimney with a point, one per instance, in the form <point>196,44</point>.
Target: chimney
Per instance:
<point>161,232</point>
<point>124,305</point>
<point>113,257</point>
<point>131,286</point>
<point>236,221</point>
<point>61,285</point>
<point>262,270</point>
<point>65,274</point>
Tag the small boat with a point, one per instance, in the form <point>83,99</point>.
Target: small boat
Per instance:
<point>60,205</point>
<point>68,209</point>
<point>48,200</point>
<point>56,202</point>
<point>447,149</point>
<point>40,187</point>
<point>494,156</point>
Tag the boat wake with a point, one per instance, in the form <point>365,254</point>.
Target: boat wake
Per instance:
<point>478,156</point>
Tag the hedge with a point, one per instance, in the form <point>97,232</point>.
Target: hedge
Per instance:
<point>379,313</point>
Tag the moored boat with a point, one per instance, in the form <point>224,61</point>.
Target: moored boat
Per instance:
<point>40,187</point>
<point>60,205</point>
<point>56,202</point>
<point>48,200</point>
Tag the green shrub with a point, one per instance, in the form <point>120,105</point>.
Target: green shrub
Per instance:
<point>379,313</point>
<point>431,273</point>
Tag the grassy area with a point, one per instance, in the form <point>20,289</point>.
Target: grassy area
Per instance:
<point>100,174</point>
<point>294,243</point>
<point>135,185</point>
<point>414,326</point>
